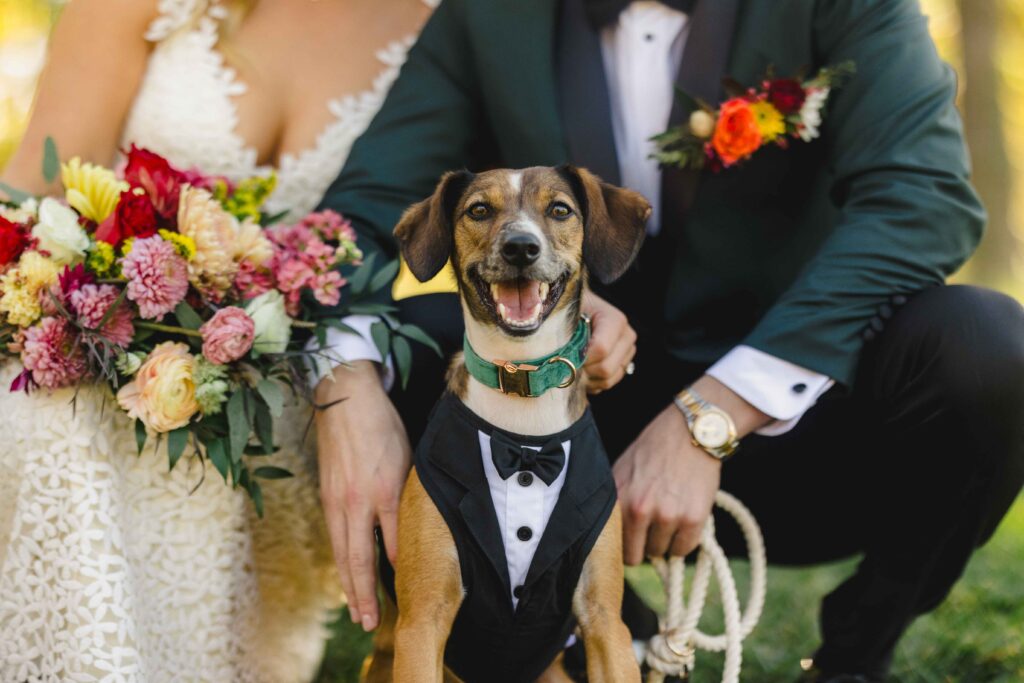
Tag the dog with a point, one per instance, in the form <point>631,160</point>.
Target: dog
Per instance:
<point>509,530</point>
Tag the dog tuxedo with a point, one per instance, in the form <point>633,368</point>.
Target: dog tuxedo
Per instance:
<point>525,512</point>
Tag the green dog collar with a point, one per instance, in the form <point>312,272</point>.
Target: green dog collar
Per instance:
<point>532,378</point>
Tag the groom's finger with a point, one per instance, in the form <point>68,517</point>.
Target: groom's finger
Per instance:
<point>361,556</point>
<point>387,517</point>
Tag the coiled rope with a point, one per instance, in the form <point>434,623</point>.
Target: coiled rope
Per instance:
<point>672,651</point>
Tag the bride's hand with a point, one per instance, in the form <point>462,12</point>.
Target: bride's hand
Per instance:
<point>364,458</point>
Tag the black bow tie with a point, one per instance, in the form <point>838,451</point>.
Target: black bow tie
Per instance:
<point>509,457</point>
<point>601,13</point>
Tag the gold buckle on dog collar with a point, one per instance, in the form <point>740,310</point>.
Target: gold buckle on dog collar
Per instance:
<point>514,378</point>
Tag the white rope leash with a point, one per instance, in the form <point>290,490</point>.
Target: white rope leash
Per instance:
<point>672,652</point>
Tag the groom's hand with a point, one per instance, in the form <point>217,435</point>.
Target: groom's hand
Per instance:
<point>667,485</point>
<point>612,344</point>
<point>364,458</point>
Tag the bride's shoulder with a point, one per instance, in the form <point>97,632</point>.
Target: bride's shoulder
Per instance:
<point>171,16</point>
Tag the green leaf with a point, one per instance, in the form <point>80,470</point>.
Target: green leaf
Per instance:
<point>357,283</point>
<point>176,442</point>
<point>264,427</point>
<point>236,472</point>
<point>403,358</point>
<point>239,426</point>
<point>271,472</point>
<point>51,162</point>
<point>384,276</point>
<point>371,308</point>
<point>256,493</point>
<point>140,435</point>
<point>17,196</point>
<point>187,316</point>
<point>417,334</point>
<point>381,335</point>
<point>270,392</point>
<point>219,457</point>
<point>339,325</point>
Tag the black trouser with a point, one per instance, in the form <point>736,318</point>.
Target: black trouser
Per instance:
<point>914,467</point>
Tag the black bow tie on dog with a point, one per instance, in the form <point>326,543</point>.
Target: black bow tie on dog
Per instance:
<point>509,457</point>
<point>601,13</point>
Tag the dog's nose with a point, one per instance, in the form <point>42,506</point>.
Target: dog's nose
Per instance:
<point>520,249</point>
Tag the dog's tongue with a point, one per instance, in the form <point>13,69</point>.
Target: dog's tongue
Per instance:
<point>520,299</point>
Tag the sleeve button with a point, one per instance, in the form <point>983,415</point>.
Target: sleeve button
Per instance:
<point>799,388</point>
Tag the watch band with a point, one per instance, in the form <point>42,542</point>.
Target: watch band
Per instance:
<point>693,405</point>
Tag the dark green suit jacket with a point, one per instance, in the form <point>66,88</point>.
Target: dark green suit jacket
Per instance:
<point>793,252</point>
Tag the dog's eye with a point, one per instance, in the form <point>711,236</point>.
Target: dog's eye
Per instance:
<point>478,211</point>
<point>560,211</point>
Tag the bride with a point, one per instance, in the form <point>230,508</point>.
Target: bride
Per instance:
<point>111,567</point>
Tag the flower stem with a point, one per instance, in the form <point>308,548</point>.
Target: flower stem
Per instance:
<point>157,327</point>
<point>303,324</point>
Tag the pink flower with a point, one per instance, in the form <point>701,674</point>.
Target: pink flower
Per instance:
<point>292,275</point>
<point>157,276</point>
<point>330,224</point>
<point>228,335</point>
<point>252,280</point>
<point>91,303</point>
<point>327,287</point>
<point>52,354</point>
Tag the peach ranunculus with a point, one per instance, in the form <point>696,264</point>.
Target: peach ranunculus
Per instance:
<point>737,135</point>
<point>163,392</point>
<point>215,233</point>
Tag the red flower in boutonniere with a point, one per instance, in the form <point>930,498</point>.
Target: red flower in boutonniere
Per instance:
<point>782,109</point>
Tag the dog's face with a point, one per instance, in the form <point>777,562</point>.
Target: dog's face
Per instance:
<point>523,241</point>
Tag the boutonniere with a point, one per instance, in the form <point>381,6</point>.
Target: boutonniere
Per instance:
<point>782,109</point>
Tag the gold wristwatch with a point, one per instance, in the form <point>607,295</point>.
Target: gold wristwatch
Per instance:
<point>711,428</point>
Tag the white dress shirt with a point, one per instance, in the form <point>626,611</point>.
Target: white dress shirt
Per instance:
<point>518,506</point>
<point>641,54</point>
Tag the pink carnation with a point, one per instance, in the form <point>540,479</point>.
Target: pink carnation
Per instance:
<point>91,303</point>
<point>228,335</point>
<point>327,287</point>
<point>51,353</point>
<point>330,224</point>
<point>157,276</point>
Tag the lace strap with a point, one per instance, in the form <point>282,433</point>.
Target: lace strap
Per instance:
<point>174,15</point>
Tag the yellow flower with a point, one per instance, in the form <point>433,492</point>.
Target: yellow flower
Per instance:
<point>185,245</point>
<point>214,232</point>
<point>126,246</point>
<point>101,258</point>
<point>252,245</point>
<point>91,190</point>
<point>162,393</point>
<point>248,197</point>
<point>21,287</point>
<point>769,120</point>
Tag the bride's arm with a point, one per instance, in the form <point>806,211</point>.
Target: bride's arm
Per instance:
<point>96,57</point>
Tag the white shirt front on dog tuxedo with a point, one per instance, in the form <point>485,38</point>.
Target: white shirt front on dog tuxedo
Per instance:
<point>641,55</point>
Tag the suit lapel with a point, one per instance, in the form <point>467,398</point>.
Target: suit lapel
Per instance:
<point>584,101</point>
<point>705,60</point>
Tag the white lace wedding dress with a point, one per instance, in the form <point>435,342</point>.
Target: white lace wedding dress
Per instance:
<point>112,568</point>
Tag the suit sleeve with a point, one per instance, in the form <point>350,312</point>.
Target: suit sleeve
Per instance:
<point>427,125</point>
<point>908,216</point>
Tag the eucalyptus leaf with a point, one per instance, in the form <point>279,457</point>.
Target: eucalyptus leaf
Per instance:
<point>218,455</point>
<point>381,338</point>
<point>176,442</point>
<point>271,472</point>
<point>239,426</point>
<point>51,162</point>
<point>371,308</point>
<point>256,493</point>
<point>17,196</point>
<point>383,277</point>
<point>416,333</point>
<point>270,392</point>
<point>339,325</point>
<point>187,316</point>
<point>403,358</point>
<point>264,427</point>
<point>361,278</point>
<point>140,435</point>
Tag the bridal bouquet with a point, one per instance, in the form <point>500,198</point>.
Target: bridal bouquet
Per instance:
<point>196,309</point>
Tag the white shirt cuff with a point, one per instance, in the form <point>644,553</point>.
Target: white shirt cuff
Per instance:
<point>345,347</point>
<point>776,387</point>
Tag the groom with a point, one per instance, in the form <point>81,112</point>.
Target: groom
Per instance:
<point>801,295</point>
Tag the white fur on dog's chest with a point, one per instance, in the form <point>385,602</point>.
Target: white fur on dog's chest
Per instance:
<point>518,507</point>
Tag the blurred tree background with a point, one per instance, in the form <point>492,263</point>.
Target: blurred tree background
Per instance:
<point>978,634</point>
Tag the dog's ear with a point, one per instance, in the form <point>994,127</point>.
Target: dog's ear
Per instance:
<point>614,222</point>
<point>424,232</point>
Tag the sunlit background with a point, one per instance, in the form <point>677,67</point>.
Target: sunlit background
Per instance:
<point>978,635</point>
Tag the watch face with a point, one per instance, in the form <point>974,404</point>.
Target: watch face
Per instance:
<point>711,430</point>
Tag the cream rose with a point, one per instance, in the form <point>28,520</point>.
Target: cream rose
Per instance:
<point>702,124</point>
<point>273,326</point>
<point>163,393</point>
<point>59,233</point>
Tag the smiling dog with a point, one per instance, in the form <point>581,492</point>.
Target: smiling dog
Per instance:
<point>509,533</point>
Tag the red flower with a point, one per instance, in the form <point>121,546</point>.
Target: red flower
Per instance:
<point>133,217</point>
<point>736,133</point>
<point>787,95</point>
<point>161,181</point>
<point>13,240</point>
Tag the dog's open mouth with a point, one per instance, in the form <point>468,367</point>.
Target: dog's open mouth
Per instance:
<point>520,305</point>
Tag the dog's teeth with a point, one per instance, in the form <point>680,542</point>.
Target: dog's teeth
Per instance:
<point>494,291</point>
<point>502,311</point>
<point>543,291</point>
<point>535,313</point>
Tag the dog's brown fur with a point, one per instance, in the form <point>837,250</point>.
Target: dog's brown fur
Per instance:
<point>602,236</point>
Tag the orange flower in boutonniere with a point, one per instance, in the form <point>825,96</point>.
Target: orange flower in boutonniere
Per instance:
<point>781,110</point>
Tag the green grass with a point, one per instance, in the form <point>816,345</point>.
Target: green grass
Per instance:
<point>976,636</point>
